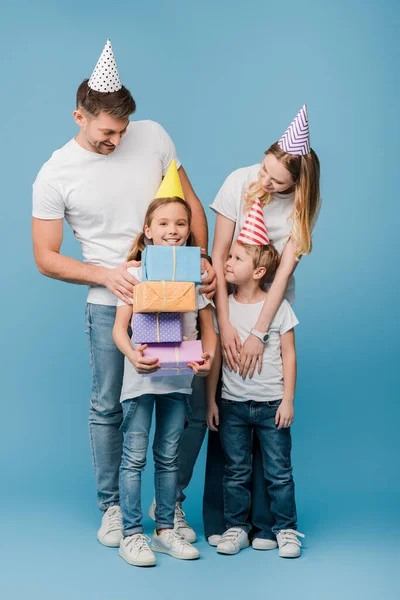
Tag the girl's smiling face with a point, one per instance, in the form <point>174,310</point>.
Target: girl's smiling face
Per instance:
<point>169,225</point>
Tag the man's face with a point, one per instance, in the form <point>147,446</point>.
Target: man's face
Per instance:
<point>103,133</point>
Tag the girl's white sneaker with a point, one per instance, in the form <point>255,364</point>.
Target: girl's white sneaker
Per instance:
<point>289,544</point>
<point>136,551</point>
<point>169,541</point>
<point>263,544</point>
<point>214,540</point>
<point>180,523</point>
<point>110,532</point>
<point>233,541</point>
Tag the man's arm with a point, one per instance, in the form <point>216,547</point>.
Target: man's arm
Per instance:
<point>199,221</point>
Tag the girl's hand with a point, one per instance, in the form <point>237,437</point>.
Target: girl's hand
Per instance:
<point>209,283</point>
<point>284,415</point>
<point>144,365</point>
<point>231,345</point>
<point>204,369</point>
<point>212,416</point>
<point>252,353</point>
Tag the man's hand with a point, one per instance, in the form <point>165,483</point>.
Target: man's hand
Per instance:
<point>144,365</point>
<point>212,416</point>
<point>231,346</point>
<point>120,282</point>
<point>251,354</point>
<point>209,282</point>
<point>204,369</point>
<point>284,415</point>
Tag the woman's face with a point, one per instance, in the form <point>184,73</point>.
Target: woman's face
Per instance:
<point>274,176</point>
<point>169,226</point>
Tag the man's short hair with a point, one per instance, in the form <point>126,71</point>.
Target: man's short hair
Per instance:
<point>117,104</point>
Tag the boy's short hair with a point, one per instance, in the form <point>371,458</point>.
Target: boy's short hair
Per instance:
<point>264,256</point>
<point>118,104</point>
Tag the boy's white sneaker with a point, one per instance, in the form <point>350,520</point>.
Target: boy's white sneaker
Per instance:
<point>136,551</point>
<point>289,544</point>
<point>214,540</point>
<point>233,541</point>
<point>180,523</point>
<point>169,541</point>
<point>263,544</point>
<point>110,532</point>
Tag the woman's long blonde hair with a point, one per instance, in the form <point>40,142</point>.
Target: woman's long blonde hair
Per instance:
<point>139,244</point>
<point>305,172</point>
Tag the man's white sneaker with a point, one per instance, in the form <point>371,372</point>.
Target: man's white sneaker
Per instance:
<point>110,532</point>
<point>180,523</point>
<point>233,541</point>
<point>262,544</point>
<point>170,542</point>
<point>136,551</point>
<point>214,540</point>
<point>289,544</point>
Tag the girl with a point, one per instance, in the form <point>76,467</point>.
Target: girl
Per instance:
<point>287,184</point>
<point>167,222</point>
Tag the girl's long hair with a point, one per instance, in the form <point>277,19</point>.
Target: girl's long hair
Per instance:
<point>305,172</point>
<point>139,244</point>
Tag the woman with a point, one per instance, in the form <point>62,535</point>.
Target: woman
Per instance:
<point>287,183</point>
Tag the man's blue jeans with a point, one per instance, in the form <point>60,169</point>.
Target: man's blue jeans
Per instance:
<point>170,422</point>
<point>238,422</point>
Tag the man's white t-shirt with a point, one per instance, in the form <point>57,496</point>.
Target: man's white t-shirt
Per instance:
<point>104,198</point>
<point>134,384</point>
<point>229,202</point>
<point>268,385</point>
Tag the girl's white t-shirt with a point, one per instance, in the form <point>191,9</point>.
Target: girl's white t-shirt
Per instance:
<point>229,202</point>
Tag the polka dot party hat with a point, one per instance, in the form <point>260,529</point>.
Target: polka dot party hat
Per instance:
<point>105,76</point>
<point>171,184</point>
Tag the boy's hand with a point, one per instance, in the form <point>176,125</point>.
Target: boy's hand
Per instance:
<point>204,369</point>
<point>144,365</point>
<point>284,415</point>
<point>212,416</point>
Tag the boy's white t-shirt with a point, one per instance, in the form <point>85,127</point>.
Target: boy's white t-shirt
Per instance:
<point>134,384</point>
<point>104,198</point>
<point>268,385</point>
<point>229,202</point>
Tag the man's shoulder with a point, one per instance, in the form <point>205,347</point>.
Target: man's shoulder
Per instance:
<point>59,159</point>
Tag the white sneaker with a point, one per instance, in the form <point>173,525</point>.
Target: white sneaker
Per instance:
<point>170,542</point>
<point>136,551</point>
<point>262,544</point>
<point>233,541</point>
<point>289,544</point>
<point>110,532</point>
<point>180,523</point>
<point>214,540</point>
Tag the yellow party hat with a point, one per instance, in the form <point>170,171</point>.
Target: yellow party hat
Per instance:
<point>171,184</point>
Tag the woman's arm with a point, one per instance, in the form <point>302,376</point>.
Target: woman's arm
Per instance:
<point>208,342</point>
<point>123,342</point>
<point>230,341</point>
<point>285,413</point>
<point>211,389</point>
<point>253,347</point>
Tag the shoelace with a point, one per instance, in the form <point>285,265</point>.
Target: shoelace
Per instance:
<point>231,535</point>
<point>175,537</point>
<point>114,518</point>
<point>138,541</point>
<point>180,517</point>
<point>290,536</point>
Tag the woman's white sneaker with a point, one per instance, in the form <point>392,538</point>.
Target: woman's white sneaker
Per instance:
<point>110,532</point>
<point>233,541</point>
<point>289,544</point>
<point>263,544</point>
<point>180,523</point>
<point>136,551</point>
<point>169,541</point>
<point>214,540</point>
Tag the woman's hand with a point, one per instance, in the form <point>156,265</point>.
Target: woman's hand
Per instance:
<point>204,369</point>
<point>144,365</point>
<point>251,354</point>
<point>284,415</point>
<point>209,283</point>
<point>212,416</point>
<point>231,345</point>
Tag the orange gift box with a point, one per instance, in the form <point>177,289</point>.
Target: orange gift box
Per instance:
<point>164,296</point>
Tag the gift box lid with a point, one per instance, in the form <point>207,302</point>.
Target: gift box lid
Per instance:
<point>171,263</point>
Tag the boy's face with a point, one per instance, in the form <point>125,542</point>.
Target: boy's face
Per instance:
<point>239,267</point>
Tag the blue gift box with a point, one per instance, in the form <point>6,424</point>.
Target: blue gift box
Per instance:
<point>171,263</point>
<point>150,328</point>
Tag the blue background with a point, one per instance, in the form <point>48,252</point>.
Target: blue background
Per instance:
<point>225,79</point>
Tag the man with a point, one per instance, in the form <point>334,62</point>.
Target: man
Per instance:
<point>101,182</point>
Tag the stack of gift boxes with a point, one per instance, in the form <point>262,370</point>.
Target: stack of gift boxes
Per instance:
<point>168,289</point>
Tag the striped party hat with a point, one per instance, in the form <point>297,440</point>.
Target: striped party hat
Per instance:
<point>105,76</point>
<point>254,231</point>
<point>296,139</point>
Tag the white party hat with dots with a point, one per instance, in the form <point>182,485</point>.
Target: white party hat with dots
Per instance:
<point>105,76</point>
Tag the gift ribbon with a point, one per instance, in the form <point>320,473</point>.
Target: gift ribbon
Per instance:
<point>158,327</point>
<point>173,263</point>
<point>177,357</point>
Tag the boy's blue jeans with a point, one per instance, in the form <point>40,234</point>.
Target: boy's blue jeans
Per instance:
<point>238,422</point>
<point>170,422</point>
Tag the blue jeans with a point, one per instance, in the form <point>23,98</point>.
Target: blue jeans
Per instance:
<point>105,413</point>
<point>238,422</point>
<point>170,423</point>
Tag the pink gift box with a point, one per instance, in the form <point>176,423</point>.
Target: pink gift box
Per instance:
<point>174,357</point>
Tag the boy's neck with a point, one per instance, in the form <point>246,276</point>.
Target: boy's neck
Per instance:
<point>249,293</point>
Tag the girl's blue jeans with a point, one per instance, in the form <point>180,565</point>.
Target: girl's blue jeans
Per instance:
<point>171,410</point>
